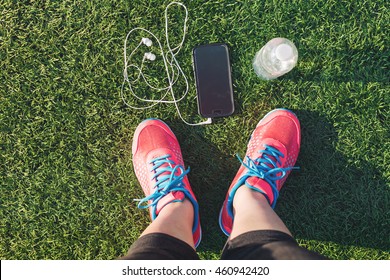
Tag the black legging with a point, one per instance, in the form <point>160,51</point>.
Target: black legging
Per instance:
<point>254,245</point>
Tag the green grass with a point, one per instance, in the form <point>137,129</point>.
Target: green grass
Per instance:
<point>66,175</point>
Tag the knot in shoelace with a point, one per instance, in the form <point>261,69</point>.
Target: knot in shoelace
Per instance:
<point>266,168</point>
<point>169,177</point>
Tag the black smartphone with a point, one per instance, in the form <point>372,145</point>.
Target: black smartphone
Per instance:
<point>213,80</point>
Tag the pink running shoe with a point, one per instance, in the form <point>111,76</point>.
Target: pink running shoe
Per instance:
<point>272,152</point>
<point>159,167</point>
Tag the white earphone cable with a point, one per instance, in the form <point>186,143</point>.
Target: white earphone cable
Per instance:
<point>172,64</point>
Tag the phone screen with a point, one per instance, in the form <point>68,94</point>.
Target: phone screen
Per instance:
<point>213,80</point>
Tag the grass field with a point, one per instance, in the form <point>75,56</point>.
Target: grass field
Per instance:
<point>67,182</point>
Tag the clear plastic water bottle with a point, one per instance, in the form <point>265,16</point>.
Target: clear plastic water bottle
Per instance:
<point>276,58</point>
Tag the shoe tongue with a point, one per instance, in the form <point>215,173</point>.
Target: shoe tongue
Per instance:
<point>275,144</point>
<point>157,153</point>
<point>262,186</point>
<point>176,196</point>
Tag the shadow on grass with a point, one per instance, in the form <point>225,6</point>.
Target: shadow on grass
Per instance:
<point>210,176</point>
<point>328,200</point>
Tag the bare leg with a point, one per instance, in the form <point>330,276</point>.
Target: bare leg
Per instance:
<point>175,219</point>
<point>253,212</point>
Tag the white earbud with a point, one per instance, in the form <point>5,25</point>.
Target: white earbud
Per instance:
<point>173,71</point>
<point>150,56</point>
<point>147,42</point>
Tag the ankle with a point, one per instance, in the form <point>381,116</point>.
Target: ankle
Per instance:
<point>175,219</point>
<point>245,197</point>
<point>252,212</point>
<point>181,209</point>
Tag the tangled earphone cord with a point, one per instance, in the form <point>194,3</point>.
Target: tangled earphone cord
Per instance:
<point>172,64</point>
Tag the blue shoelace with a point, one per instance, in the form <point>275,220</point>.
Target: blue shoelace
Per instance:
<point>266,168</point>
<point>170,182</point>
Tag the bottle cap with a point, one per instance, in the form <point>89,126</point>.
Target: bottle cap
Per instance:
<point>284,52</point>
